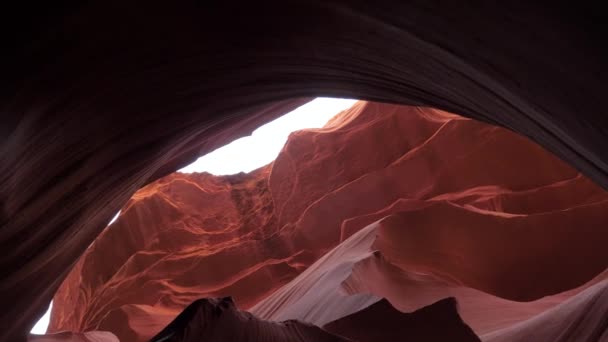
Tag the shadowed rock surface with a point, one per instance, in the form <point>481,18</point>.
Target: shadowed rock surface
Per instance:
<point>99,98</point>
<point>381,322</point>
<point>218,320</point>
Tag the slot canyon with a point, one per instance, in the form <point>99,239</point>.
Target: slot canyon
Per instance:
<point>462,198</point>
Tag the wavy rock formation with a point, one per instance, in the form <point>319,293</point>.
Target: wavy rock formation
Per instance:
<point>220,228</point>
<point>99,98</point>
<point>581,318</point>
<point>365,268</point>
<point>407,203</point>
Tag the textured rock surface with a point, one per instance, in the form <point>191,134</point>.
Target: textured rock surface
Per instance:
<point>97,97</point>
<point>581,318</point>
<point>364,268</point>
<point>221,229</point>
<point>89,336</point>
<point>466,210</point>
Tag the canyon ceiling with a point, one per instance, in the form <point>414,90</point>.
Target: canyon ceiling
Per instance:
<point>100,98</point>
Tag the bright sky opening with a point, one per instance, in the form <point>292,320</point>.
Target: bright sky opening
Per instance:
<point>264,144</point>
<point>249,153</point>
<point>43,322</point>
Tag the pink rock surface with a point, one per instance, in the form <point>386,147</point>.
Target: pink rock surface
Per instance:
<point>580,318</point>
<point>367,267</point>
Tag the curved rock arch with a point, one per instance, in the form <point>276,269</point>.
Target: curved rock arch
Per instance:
<point>115,95</point>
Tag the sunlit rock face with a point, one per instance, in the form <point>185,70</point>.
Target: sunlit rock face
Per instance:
<point>410,204</point>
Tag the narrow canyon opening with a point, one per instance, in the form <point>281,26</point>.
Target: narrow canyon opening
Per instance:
<point>383,210</point>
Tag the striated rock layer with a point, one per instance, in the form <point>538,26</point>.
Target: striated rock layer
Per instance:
<point>370,265</point>
<point>581,318</point>
<point>407,203</point>
<point>100,98</point>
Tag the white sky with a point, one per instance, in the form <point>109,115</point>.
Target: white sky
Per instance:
<point>114,218</point>
<point>43,322</point>
<point>265,143</point>
<point>252,152</point>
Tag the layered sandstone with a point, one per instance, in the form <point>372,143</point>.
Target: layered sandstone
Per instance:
<point>100,98</point>
<point>437,205</point>
<point>372,264</point>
